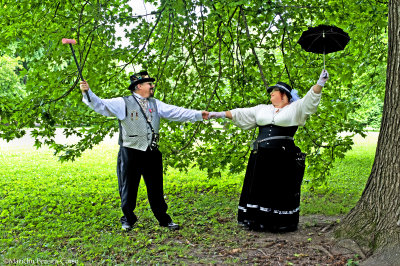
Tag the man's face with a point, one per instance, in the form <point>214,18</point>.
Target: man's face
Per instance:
<point>145,89</point>
<point>152,91</point>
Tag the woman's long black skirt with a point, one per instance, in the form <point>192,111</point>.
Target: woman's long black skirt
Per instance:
<point>270,199</point>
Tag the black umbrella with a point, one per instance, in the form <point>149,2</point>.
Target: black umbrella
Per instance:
<point>324,39</point>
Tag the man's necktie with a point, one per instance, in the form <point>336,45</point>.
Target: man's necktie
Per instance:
<point>143,103</point>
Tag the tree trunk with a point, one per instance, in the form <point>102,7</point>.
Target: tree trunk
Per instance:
<point>374,223</point>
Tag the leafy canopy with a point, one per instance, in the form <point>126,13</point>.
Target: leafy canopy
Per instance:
<point>12,88</point>
<point>214,55</point>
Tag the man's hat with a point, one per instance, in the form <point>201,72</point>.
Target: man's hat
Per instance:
<point>283,87</point>
<point>138,78</point>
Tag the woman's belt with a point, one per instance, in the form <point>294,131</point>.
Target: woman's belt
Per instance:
<point>265,142</point>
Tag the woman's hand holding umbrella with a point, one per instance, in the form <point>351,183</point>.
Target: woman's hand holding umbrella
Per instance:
<point>321,81</point>
<point>323,78</point>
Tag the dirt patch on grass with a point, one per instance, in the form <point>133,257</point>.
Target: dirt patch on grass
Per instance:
<point>312,244</point>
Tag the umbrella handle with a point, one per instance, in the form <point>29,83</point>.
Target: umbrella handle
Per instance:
<point>325,74</point>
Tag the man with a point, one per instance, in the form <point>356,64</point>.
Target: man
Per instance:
<point>139,119</point>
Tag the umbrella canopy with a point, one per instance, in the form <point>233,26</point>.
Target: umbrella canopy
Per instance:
<point>324,39</point>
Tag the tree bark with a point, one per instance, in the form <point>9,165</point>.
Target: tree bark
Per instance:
<point>374,223</point>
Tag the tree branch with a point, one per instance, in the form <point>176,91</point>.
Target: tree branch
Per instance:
<point>283,54</point>
<point>55,12</point>
<point>211,97</point>
<point>252,47</point>
<point>165,44</point>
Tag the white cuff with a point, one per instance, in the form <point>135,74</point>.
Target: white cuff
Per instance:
<point>199,116</point>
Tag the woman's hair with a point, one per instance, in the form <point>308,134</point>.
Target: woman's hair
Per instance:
<point>282,91</point>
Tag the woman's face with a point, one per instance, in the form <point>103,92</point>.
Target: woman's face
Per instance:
<point>278,98</point>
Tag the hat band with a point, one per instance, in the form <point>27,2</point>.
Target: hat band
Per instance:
<point>282,87</point>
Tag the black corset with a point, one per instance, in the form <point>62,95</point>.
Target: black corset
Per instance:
<point>272,131</point>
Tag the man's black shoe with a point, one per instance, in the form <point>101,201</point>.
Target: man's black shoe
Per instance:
<point>126,226</point>
<point>171,226</point>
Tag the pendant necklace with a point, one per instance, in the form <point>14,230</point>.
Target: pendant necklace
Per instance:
<point>274,113</point>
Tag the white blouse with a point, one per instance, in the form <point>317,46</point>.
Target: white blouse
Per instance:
<point>294,114</point>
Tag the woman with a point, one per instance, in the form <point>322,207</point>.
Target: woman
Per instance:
<point>270,198</point>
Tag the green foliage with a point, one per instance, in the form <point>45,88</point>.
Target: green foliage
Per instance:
<point>371,95</point>
<point>351,262</point>
<point>11,86</point>
<point>12,89</point>
<point>70,212</point>
<point>214,55</point>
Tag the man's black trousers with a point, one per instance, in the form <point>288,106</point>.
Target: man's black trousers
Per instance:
<point>131,165</point>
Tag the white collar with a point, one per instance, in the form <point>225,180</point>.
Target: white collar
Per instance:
<point>138,96</point>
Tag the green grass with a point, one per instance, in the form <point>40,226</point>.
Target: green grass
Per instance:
<point>345,183</point>
<point>52,212</point>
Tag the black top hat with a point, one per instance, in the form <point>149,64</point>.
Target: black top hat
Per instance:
<point>282,86</point>
<point>138,78</point>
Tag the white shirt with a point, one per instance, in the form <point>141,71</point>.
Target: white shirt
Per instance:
<point>294,114</point>
<point>116,107</point>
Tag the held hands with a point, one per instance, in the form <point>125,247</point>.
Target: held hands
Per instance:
<point>84,86</point>
<point>205,115</point>
<point>208,115</point>
<point>323,78</point>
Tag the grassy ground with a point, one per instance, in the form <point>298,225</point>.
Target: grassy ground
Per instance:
<point>69,213</point>
<point>346,182</point>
